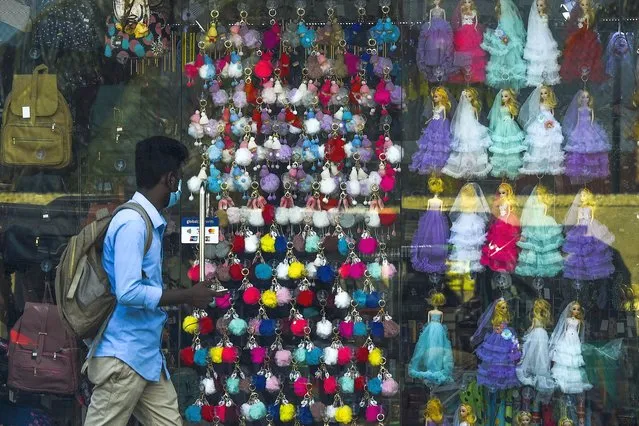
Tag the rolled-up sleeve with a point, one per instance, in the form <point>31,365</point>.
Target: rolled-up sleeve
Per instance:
<point>131,289</point>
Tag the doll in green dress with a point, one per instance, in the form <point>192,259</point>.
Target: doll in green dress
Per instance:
<point>506,136</point>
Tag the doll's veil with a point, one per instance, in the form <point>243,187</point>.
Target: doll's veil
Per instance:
<point>573,212</point>
<point>494,116</point>
<point>530,109</point>
<point>620,66</point>
<point>537,29</point>
<point>464,115</point>
<point>510,20</point>
<point>481,207</point>
<point>483,325</point>
<point>595,228</point>
<point>533,208</point>
<point>570,118</point>
<point>560,329</point>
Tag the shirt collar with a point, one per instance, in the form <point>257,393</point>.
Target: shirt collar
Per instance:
<point>156,218</point>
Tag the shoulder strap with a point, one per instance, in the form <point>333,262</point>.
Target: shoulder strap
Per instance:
<point>149,225</point>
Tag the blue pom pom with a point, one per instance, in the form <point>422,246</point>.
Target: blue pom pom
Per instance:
<point>359,296</point>
<point>107,51</point>
<point>280,244</point>
<point>377,329</point>
<point>374,386</point>
<point>125,43</point>
<point>359,329</point>
<point>313,356</point>
<point>326,274</point>
<point>139,50</point>
<point>312,243</point>
<point>274,411</point>
<point>372,299</point>
<point>299,355</point>
<point>238,327</point>
<point>259,381</point>
<point>257,411</point>
<point>342,246</point>
<point>267,327</point>
<point>263,272</point>
<point>200,357</point>
<point>375,269</point>
<point>310,312</point>
<point>213,184</point>
<point>347,384</point>
<point>233,385</point>
<point>193,414</point>
<point>305,416</point>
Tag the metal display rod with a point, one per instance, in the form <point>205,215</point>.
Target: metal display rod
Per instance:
<point>201,239</point>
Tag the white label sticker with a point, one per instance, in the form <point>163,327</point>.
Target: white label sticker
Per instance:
<point>546,293</point>
<point>26,112</point>
<point>620,327</point>
<point>604,325</point>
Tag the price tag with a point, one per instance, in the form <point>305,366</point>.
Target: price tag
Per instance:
<point>604,325</point>
<point>26,112</point>
<point>620,327</point>
<point>191,230</point>
<point>546,293</point>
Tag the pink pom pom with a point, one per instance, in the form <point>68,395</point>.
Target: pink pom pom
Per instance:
<point>372,411</point>
<point>367,245</point>
<point>251,295</point>
<point>330,385</point>
<point>283,358</point>
<point>344,355</point>
<point>346,329</point>
<point>284,296</point>
<point>273,384</point>
<point>223,302</point>
<point>254,326</point>
<point>345,270</point>
<point>390,387</point>
<point>299,387</point>
<point>258,355</point>
<point>357,270</point>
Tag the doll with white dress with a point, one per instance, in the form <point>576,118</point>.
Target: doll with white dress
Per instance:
<point>544,138</point>
<point>565,351</point>
<point>465,416</point>
<point>541,50</point>
<point>470,140</point>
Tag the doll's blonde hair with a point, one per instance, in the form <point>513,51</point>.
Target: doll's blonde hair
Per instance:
<point>542,312</point>
<point>520,416</point>
<point>473,97</point>
<point>500,317</point>
<point>544,195</point>
<point>588,200</point>
<point>564,420</point>
<point>437,299</point>
<point>443,94</point>
<point>552,98</point>
<point>434,410</point>
<point>468,199</point>
<point>473,7</point>
<point>591,100</point>
<point>471,418</point>
<point>580,313</point>
<point>512,104</point>
<point>435,185</point>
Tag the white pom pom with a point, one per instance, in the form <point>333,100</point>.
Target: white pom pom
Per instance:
<point>394,154</point>
<point>327,184</point>
<point>269,96</point>
<point>374,178</point>
<point>330,355</point>
<point>233,214</point>
<point>295,215</point>
<point>281,216</point>
<point>227,156</point>
<point>243,157</point>
<point>353,188</point>
<point>348,149</point>
<point>282,271</point>
<point>319,261</point>
<point>372,219</point>
<point>311,271</point>
<point>330,412</point>
<point>251,243</point>
<point>245,409</point>
<point>208,386</point>
<point>255,218</point>
<point>320,219</point>
<point>294,130</point>
<point>312,126</point>
<point>342,300</point>
<point>324,329</point>
<point>194,183</point>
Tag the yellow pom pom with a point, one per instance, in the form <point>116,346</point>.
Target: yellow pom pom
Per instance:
<point>216,354</point>
<point>296,270</point>
<point>269,299</point>
<point>189,324</point>
<point>375,357</point>
<point>267,243</point>
<point>344,414</point>
<point>287,412</point>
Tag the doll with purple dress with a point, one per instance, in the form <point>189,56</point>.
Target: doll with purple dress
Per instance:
<point>587,143</point>
<point>430,243</point>
<point>435,46</point>
<point>497,348</point>
<point>433,147</point>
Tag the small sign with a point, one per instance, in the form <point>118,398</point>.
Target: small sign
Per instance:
<point>191,230</point>
<point>26,112</point>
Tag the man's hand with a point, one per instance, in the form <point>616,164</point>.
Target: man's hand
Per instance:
<point>201,294</point>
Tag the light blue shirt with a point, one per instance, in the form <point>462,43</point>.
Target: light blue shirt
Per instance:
<point>134,332</point>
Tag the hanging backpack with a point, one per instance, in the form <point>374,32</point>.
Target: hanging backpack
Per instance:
<point>36,123</point>
<point>82,288</point>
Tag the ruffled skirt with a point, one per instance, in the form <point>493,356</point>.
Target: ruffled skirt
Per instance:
<point>433,148</point>
<point>430,243</point>
<point>498,358</point>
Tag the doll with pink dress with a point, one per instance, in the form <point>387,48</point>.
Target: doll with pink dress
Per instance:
<point>468,36</point>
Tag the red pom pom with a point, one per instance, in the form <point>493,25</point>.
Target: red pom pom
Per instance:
<point>387,216</point>
<point>330,385</point>
<point>334,150</point>
<point>298,326</point>
<point>361,355</point>
<point>300,386</point>
<point>330,204</point>
<point>208,413</point>
<point>344,355</point>
<point>263,69</point>
<point>251,295</point>
<point>345,271</point>
<point>220,411</point>
<point>229,355</point>
<point>238,244</point>
<point>236,272</point>
<point>206,325</point>
<point>305,298</point>
<point>268,214</point>
<point>357,270</point>
<point>367,245</point>
<point>194,273</point>
<point>360,383</point>
<point>186,356</point>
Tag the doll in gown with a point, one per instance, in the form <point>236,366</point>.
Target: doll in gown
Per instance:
<point>544,139</point>
<point>469,215</point>
<point>541,48</point>
<point>497,348</point>
<point>469,57</point>
<point>506,67</point>
<point>582,56</point>
<point>506,136</point>
<point>432,361</point>
<point>435,46</point>
<point>465,416</point>
<point>587,143</point>
<point>434,412</point>
<point>433,146</point>
<point>500,252</point>
<point>565,351</point>
<point>430,243</point>
<point>470,140</point>
<point>534,367</point>
<point>588,241</point>
<point>541,238</point>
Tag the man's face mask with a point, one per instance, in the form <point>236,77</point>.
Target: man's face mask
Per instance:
<point>174,198</point>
